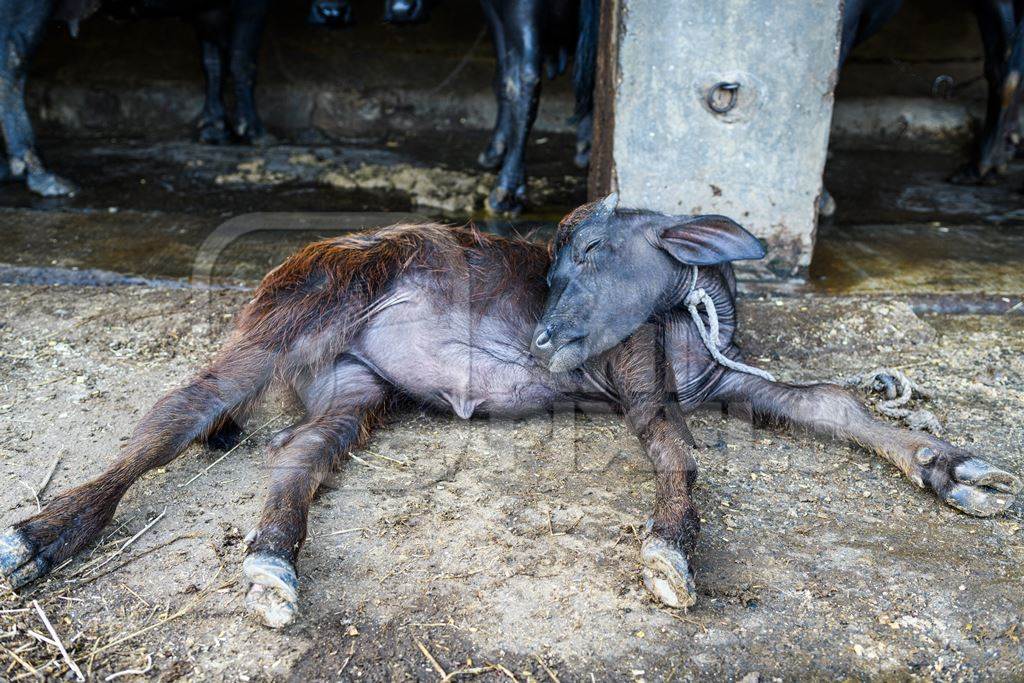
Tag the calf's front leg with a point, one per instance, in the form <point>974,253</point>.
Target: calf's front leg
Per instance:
<point>675,525</point>
<point>342,406</point>
<point>958,477</point>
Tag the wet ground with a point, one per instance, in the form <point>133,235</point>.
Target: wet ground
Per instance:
<point>507,548</point>
<point>149,210</point>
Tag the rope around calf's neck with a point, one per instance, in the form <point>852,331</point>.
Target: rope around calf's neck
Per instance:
<point>698,297</point>
<point>892,407</point>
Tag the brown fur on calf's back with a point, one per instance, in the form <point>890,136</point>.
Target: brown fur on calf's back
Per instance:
<point>327,286</point>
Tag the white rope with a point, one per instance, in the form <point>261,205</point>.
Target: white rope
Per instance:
<point>694,299</point>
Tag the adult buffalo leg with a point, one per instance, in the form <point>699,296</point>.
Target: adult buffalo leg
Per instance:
<point>342,407</point>
<point>248,18</point>
<point>212,27</point>
<point>1003,56</point>
<point>675,524</point>
<point>30,548</point>
<point>492,157</point>
<point>958,477</point>
<point>21,29</point>
<point>584,140</point>
<point>521,22</point>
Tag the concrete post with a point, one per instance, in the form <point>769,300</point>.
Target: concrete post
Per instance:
<point>719,106</point>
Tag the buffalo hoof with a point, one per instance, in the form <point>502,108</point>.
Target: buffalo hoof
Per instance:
<point>19,562</point>
<point>969,174</point>
<point>505,202</point>
<point>51,185</point>
<point>273,597</point>
<point>256,137</point>
<point>214,133</point>
<point>582,158</point>
<point>666,573</point>
<point>969,484</point>
<point>826,204</point>
<point>491,158</point>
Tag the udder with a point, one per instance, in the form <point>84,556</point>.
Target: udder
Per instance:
<point>448,360</point>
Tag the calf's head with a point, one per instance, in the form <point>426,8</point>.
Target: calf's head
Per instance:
<point>613,269</point>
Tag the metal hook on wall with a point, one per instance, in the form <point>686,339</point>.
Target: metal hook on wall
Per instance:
<point>715,95</point>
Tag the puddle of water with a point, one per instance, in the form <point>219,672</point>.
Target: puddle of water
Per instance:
<point>918,258</point>
<point>900,229</point>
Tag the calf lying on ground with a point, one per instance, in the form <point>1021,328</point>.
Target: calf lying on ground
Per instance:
<point>451,318</point>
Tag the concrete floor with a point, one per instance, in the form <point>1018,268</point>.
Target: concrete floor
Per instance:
<point>493,544</point>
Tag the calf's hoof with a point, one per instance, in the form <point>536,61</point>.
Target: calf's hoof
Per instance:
<point>51,185</point>
<point>666,573</point>
<point>506,202</point>
<point>273,597</point>
<point>19,561</point>
<point>969,484</point>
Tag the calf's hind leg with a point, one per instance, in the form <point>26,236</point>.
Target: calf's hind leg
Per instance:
<point>30,548</point>
<point>959,478</point>
<point>342,407</point>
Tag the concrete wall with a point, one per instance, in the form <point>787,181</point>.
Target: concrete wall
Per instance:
<point>117,79</point>
<point>762,160</point>
<point>885,99</point>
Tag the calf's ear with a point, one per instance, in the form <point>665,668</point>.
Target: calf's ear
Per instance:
<point>707,240</point>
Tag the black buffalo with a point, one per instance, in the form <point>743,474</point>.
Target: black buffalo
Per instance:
<point>530,37</point>
<point>1001,26</point>
<point>229,33</point>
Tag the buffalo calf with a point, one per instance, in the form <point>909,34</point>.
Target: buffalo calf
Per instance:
<point>630,309</point>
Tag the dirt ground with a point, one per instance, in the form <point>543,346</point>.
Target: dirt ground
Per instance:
<point>509,549</point>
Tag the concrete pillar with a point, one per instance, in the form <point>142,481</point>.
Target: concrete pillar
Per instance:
<point>719,106</point>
